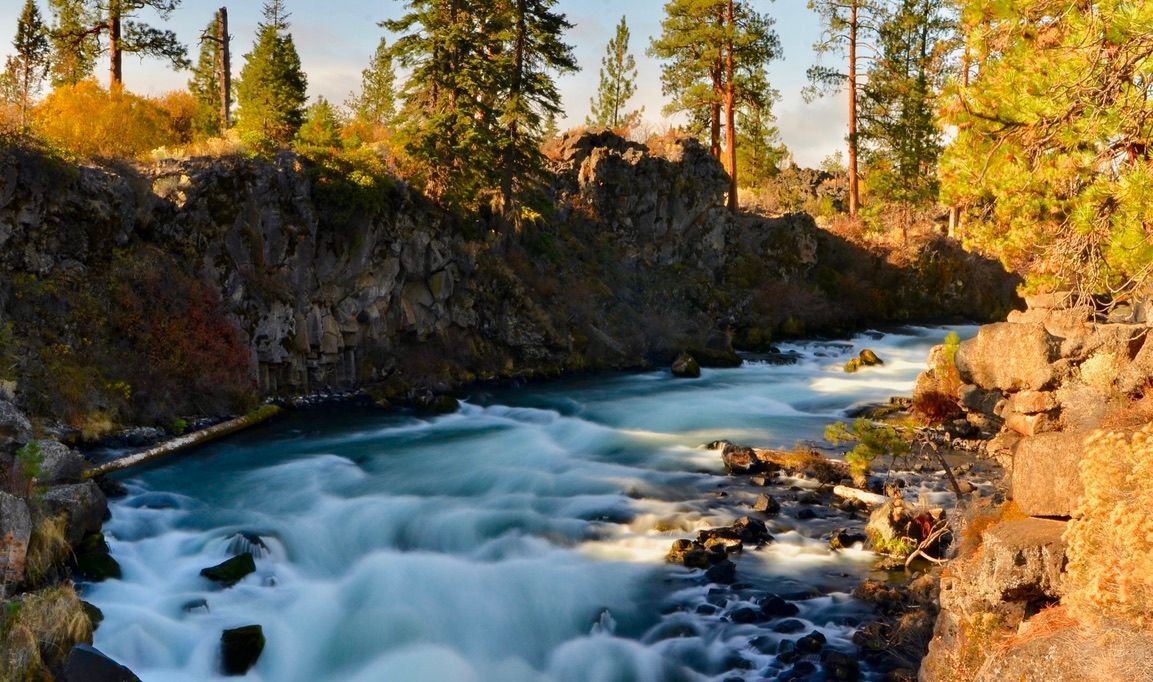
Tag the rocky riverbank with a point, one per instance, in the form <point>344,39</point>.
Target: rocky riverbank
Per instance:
<point>1041,589</point>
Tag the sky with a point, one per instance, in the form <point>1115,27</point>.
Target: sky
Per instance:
<point>335,39</point>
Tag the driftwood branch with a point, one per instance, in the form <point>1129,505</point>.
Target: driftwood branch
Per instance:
<point>184,442</point>
<point>941,528</point>
<point>862,495</point>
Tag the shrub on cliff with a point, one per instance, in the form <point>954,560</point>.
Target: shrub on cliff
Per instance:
<point>1110,539</point>
<point>90,121</point>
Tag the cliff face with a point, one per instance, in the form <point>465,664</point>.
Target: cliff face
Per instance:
<point>120,282</point>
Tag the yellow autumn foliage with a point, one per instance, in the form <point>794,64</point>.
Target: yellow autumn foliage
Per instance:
<point>90,121</point>
<point>1110,539</point>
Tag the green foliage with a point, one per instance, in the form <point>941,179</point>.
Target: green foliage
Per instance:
<point>29,459</point>
<point>205,85</point>
<point>376,103</point>
<point>350,184</point>
<point>873,440</point>
<point>26,69</point>
<point>273,88</point>
<point>480,90</point>
<point>321,127</point>
<point>898,130</point>
<point>618,83</point>
<point>73,56</point>
<point>1050,161</point>
<point>693,42</point>
<point>178,426</point>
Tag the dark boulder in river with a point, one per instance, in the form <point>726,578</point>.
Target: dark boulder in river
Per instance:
<point>232,571</point>
<point>240,649</point>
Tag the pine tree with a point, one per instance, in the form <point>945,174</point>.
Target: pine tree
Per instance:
<point>898,130</point>
<point>714,54</point>
<point>73,51</point>
<point>479,93</point>
<point>1051,160</point>
<point>535,50</point>
<point>273,88</point>
<point>376,103</point>
<point>848,26</point>
<point>28,67</point>
<point>618,83</point>
<point>205,83</point>
<point>321,127</point>
<point>91,26</point>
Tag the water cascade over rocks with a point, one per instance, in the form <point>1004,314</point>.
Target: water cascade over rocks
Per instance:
<point>523,538</point>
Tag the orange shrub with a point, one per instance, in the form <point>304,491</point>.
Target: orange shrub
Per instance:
<point>90,121</point>
<point>181,107</point>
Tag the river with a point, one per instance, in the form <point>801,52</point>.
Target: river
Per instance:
<point>520,539</point>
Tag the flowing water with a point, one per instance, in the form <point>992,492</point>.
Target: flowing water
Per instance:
<point>522,538</point>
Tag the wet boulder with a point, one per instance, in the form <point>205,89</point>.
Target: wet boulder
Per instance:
<point>776,607</point>
<point>94,563</point>
<point>240,649</point>
<point>767,504</point>
<point>83,503</point>
<point>688,553</point>
<point>724,573</point>
<point>88,664</point>
<point>752,531</point>
<point>869,358</point>
<point>686,366</point>
<point>232,571</point>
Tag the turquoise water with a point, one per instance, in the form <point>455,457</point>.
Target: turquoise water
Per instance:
<point>519,539</point>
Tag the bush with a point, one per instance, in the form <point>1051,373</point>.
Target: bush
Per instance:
<point>1110,539</point>
<point>89,121</point>
<point>873,440</point>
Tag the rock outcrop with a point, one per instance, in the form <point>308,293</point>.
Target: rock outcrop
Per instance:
<point>327,286</point>
<point>1037,386</point>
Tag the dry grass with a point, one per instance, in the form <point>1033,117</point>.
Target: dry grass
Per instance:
<point>39,630</point>
<point>981,515</point>
<point>47,549</point>
<point>1110,539</point>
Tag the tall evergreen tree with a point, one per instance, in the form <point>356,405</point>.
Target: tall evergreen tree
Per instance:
<point>898,129</point>
<point>205,83</point>
<point>28,67</point>
<point>1052,159</point>
<point>376,102</point>
<point>618,83</point>
<point>73,51</point>
<point>273,88</point>
<point>714,54</point>
<point>480,91</point>
<point>848,26</point>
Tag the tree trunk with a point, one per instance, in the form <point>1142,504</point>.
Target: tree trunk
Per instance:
<point>506,183</point>
<point>715,126</point>
<point>854,190</point>
<point>115,59</point>
<point>730,108</point>
<point>225,72</point>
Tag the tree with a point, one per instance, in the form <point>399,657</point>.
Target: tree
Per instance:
<point>1051,158</point>
<point>479,94</point>
<point>112,28</point>
<point>714,54</point>
<point>618,83</point>
<point>73,53</point>
<point>273,88</point>
<point>208,82</point>
<point>535,50</point>
<point>848,24</point>
<point>376,103</point>
<point>321,127</point>
<point>898,132</point>
<point>28,67</point>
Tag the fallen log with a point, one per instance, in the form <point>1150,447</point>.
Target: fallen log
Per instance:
<point>180,443</point>
<point>868,498</point>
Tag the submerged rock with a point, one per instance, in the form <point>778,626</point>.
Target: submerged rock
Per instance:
<point>724,573</point>
<point>232,571</point>
<point>240,649</point>
<point>686,367</point>
<point>250,543</point>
